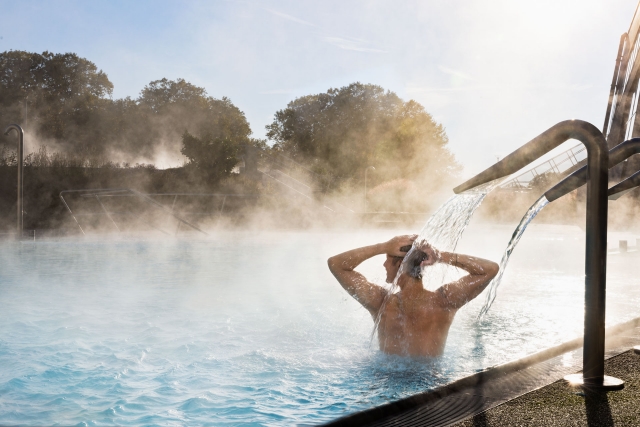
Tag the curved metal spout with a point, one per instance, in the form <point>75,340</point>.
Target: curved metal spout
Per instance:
<point>585,132</point>
<point>578,178</point>
<point>624,186</point>
<point>596,234</point>
<point>20,164</point>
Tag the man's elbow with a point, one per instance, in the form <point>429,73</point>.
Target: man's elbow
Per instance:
<point>492,270</point>
<point>332,263</point>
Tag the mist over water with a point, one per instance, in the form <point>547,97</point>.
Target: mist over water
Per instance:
<point>492,290</point>
<point>251,328</point>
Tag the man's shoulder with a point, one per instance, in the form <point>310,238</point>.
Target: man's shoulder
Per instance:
<point>435,301</point>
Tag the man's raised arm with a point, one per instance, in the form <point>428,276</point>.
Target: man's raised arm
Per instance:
<point>366,293</point>
<point>481,272</point>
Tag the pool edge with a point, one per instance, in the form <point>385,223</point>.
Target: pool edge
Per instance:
<point>378,414</point>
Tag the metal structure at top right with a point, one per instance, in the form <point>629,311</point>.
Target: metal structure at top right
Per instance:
<point>621,120</point>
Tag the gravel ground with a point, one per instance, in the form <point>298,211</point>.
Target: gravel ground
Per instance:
<point>558,405</point>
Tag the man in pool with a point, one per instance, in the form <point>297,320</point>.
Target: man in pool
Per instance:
<point>413,321</point>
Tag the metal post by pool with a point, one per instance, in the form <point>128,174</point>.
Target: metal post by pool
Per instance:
<point>592,376</point>
<point>20,164</point>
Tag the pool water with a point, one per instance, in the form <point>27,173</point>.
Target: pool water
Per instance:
<point>252,329</point>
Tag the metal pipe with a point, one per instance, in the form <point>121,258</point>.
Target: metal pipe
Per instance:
<point>624,186</point>
<point>164,208</point>
<point>69,209</point>
<point>20,165</point>
<point>106,212</point>
<point>578,178</point>
<point>614,81</point>
<point>623,101</point>
<point>596,226</point>
<point>119,191</point>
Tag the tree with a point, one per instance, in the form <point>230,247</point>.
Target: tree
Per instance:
<point>160,94</point>
<point>343,131</point>
<point>223,133</point>
<point>63,93</point>
<point>215,157</point>
<point>70,106</point>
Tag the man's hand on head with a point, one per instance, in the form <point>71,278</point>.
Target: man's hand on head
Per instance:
<point>433,255</point>
<point>394,246</point>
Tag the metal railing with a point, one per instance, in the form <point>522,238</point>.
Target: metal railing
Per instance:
<point>559,164</point>
<point>114,217</point>
<point>595,235</point>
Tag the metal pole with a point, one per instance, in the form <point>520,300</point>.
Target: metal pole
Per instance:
<point>20,164</point>
<point>69,209</point>
<point>623,187</point>
<point>164,208</point>
<point>106,212</point>
<point>614,82</point>
<point>596,233</point>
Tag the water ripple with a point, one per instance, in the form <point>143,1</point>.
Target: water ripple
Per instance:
<point>139,333</point>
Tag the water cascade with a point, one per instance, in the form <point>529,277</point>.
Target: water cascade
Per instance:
<point>443,231</point>
<point>515,238</point>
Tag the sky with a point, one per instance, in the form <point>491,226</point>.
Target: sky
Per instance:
<point>494,73</point>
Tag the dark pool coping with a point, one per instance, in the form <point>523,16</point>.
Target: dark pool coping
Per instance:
<point>476,393</point>
<point>557,405</point>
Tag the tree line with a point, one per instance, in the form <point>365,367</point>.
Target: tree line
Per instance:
<point>66,102</point>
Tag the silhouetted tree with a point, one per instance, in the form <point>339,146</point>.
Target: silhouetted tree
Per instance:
<point>64,93</point>
<point>160,94</point>
<point>215,157</point>
<point>343,131</point>
<point>70,107</point>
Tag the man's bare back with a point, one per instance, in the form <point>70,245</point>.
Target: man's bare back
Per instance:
<point>413,321</point>
<point>416,327</point>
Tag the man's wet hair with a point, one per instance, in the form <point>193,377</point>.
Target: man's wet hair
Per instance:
<point>413,262</point>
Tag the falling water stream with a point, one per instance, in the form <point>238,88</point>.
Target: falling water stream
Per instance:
<point>443,231</point>
<point>515,238</point>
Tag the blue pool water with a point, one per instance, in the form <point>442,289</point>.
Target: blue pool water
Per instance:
<point>251,329</point>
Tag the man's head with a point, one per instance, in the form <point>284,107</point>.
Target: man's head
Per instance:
<point>414,270</point>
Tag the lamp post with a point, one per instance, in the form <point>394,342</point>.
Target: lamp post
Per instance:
<point>20,153</point>
<point>365,186</point>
